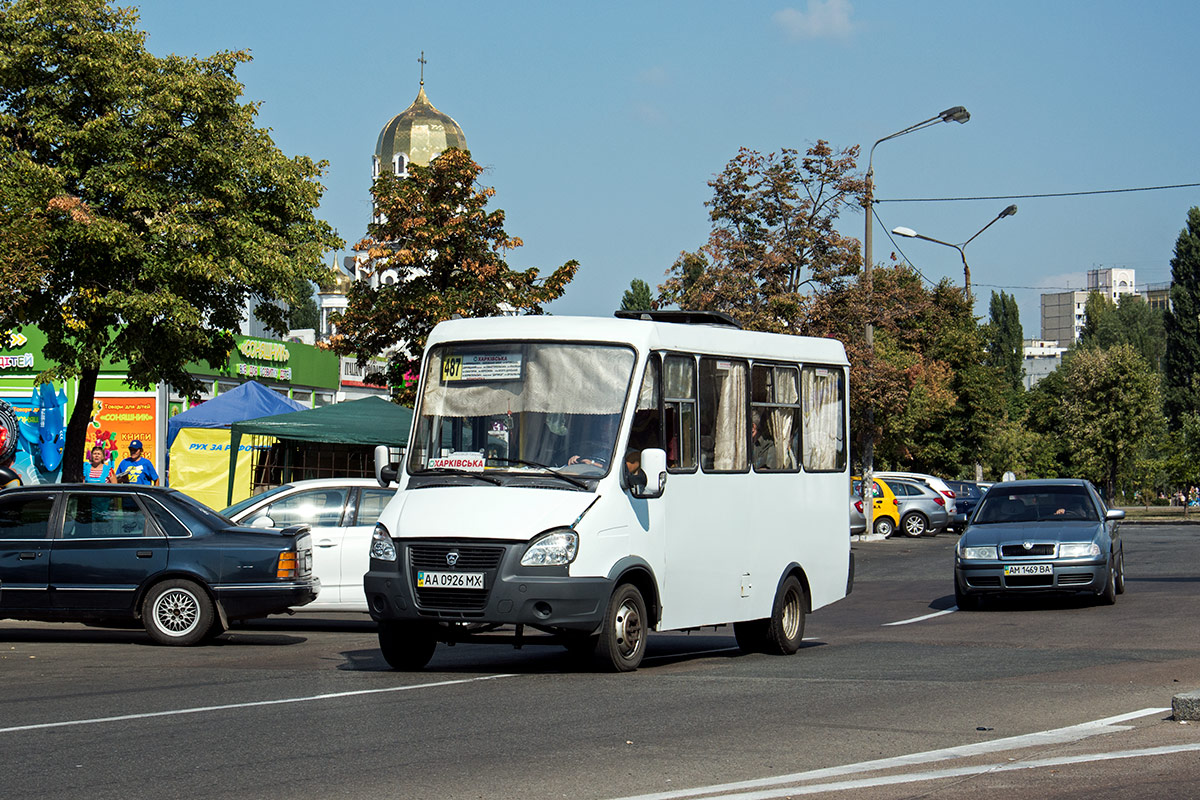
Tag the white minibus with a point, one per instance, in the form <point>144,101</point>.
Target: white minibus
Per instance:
<point>592,480</point>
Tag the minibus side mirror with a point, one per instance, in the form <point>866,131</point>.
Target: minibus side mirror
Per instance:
<point>653,480</point>
<point>386,471</point>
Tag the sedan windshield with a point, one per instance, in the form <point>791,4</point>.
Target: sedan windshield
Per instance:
<point>521,407</point>
<point>1036,504</point>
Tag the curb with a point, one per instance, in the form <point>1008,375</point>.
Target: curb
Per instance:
<point>1186,706</point>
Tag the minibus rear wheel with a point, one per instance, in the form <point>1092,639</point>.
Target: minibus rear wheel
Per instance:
<point>785,628</point>
<point>781,633</point>
<point>406,646</point>
<point>623,633</point>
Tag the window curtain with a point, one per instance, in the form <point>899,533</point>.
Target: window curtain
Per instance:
<point>783,420</point>
<point>730,447</point>
<point>821,409</point>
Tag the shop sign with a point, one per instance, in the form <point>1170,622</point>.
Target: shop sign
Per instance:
<point>14,340</point>
<point>259,371</point>
<point>263,351</point>
<point>19,360</point>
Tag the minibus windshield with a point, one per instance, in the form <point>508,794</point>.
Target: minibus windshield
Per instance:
<point>521,407</point>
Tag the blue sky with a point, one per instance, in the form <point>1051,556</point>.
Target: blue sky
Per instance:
<point>600,124</point>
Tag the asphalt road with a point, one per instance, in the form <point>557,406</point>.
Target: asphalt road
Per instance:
<point>1056,698</point>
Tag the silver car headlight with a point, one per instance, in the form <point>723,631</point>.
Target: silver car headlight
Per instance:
<point>986,553</point>
<point>1078,550</point>
<point>556,548</point>
<point>382,546</point>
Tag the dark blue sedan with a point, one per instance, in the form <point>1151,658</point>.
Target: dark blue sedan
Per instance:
<point>109,553</point>
<point>1040,536</point>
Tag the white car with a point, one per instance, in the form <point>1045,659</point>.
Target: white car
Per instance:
<point>342,513</point>
<point>937,484</point>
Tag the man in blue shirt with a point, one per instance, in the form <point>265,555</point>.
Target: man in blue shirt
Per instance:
<point>136,469</point>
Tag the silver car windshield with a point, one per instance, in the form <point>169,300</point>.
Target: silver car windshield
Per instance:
<point>1036,504</point>
<point>521,407</point>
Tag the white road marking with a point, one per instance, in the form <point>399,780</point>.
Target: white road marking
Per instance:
<point>959,772</point>
<point>230,706</point>
<point>1072,733</point>
<point>950,610</point>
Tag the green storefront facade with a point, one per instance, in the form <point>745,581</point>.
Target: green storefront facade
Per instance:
<point>121,412</point>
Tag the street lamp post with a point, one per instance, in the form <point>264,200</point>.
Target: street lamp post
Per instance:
<point>961,248</point>
<point>955,114</point>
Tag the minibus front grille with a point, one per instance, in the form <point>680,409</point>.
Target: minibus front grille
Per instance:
<point>454,557</point>
<point>470,557</point>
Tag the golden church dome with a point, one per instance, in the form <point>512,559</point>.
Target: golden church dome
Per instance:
<point>419,133</point>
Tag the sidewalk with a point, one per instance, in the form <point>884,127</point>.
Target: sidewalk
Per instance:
<point>1173,515</point>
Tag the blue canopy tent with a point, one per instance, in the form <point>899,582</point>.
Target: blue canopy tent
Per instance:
<point>197,457</point>
<point>248,401</point>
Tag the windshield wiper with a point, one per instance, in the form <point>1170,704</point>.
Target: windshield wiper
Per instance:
<point>549,470</point>
<point>467,473</point>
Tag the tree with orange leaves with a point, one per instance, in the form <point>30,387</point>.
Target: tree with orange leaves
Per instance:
<point>434,231</point>
<point>773,242</point>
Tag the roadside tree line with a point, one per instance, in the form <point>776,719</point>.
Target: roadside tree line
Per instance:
<point>947,390</point>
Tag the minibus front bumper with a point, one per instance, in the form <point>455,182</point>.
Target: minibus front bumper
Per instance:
<point>437,581</point>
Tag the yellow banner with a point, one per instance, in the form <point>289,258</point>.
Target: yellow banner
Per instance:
<point>200,465</point>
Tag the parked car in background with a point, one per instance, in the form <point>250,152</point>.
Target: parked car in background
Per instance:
<point>341,513</point>
<point>858,521</point>
<point>130,552</point>
<point>1040,536</point>
<point>933,482</point>
<point>885,514</point>
<point>922,510</point>
<point>966,496</point>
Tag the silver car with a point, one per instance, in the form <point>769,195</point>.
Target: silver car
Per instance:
<point>922,510</point>
<point>858,520</point>
<point>1040,536</point>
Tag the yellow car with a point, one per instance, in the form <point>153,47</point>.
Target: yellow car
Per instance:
<point>886,513</point>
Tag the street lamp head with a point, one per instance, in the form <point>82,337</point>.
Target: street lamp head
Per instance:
<point>956,114</point>
<point>1008,212</point>
<point>906,232</point>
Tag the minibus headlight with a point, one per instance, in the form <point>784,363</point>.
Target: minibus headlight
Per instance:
<point>556,548</point>
<point>987,553</point>
<point>382,547</point>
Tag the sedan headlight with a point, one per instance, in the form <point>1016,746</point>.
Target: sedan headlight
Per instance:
<point>382,546</point>
<point>556,548</point>
<point>1078,550</point>
<point>987,553</point>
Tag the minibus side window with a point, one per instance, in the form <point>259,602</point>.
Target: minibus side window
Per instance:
<point>679,412</point>
<point>646,430</point>
<point>823,404</point>
<point>723,426</point>
<point>774,418</point>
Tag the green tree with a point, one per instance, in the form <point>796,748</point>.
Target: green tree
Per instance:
<point>1181,363</point>
<point>1005,345</point>
<point>1051,453</point>
<point>1182,458</point>
<point>304,313</point>
<point>934,396</point>
<point>1110,412</point>
<point>637,297</point>
<point>1131,321</point>
<point>142,209</point>
<point>774,239</point>
<point>435,231</point>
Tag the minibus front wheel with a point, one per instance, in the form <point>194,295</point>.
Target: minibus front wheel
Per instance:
<point>406,646</point>
<point>623,632</point>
